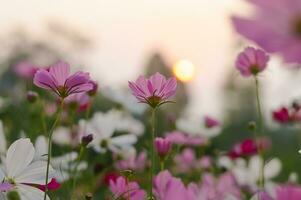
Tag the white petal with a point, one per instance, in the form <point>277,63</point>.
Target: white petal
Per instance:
<point>124,140</point>
<point>63,162</point>
<point>2,139</point>
<point>62,136</point>
<point>30,193</point>
<point>35,173</point>
<point>19,155</point>
<point>41,148</point>
<point>2,196</point>
<point>272,168</point>
<point>2,175</point>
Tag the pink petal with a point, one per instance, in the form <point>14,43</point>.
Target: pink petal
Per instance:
<point>60,71</point>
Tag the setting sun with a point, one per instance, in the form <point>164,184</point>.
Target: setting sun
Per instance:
<point>184,70</point>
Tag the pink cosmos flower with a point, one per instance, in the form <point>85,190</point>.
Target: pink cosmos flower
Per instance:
<point>219,188</point>
<point>288,192</point>
<point>59,80</point>
<point>180,138</point>
<point>282,192</point>
<point>162,146</point>
<point>276,27</point>
<point>187,161</point>
<point>136,163</point>
<point>282,115</point>
<point>211,122</point>
<point>126,190</point>
<point>251,61</point>
<point>81,101</point>
<point>52,185</point>
<point>167,187</point>
<point>154,91</point>
<point>25,69</point>
<point>249,147</point>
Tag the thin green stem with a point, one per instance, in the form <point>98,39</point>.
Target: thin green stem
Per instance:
<point>78,160</point>
<point>260,131</point>
<point>162,164</point>
<point>43,121</point>
<point>152,153</point>
<point>50,146</point>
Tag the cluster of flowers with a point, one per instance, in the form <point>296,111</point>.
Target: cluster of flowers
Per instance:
<point>174,165</point>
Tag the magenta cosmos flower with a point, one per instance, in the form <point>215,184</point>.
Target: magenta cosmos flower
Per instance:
<point>251,61</point>
<point>163,146</point>
<point>122,189</point>
<point>58,79</point>
<point>154,91</point>
<point>276,27</point>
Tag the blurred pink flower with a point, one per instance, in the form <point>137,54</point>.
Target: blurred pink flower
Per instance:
<point>5,187</point>
<point>52,185</point>
<point>25,69</point>
<point>59,80</point>
<point>251,61</point>
<point>163,146</point>
<point>211,122</point>
<point>185,161</point>
<point>219,188</point>
<point>153,91</point>
<point>180,138</point>
<point>281,115</point>
<point>249,147</point>
<point>136,163</point>
<point>288,192</point>
<point>126,190</point>
<point>276,27</point>
<point>167,187</point>
<point>81,101</point>
<point>94,88</point>
<point>205,162</point>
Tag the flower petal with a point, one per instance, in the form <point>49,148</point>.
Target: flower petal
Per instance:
<point>2,139</point>
<point>19,155</point>
<point>27,192</point>
<point>60,71</point>
<point>35,173</point>
<point>43,79</point>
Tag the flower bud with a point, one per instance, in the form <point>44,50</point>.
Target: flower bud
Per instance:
<point>87,139</point>
<point>252,126</point>
<point>162,146</point>
<point>88,196</point>
<point>32,96</point>
<point>94,89</point>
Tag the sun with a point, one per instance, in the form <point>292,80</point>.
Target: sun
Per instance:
<point>184,70</point>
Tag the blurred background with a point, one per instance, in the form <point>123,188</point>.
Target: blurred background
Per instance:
<point>118,40</point>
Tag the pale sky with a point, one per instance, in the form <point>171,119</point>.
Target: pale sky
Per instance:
<point>127,31</point>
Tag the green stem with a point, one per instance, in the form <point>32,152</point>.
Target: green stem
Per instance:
<point>260,130</point>
<point>50,146</point>
<point>44,126</point>
<point>79,158</point>
<point>162,165</point>
<point>152,153</point>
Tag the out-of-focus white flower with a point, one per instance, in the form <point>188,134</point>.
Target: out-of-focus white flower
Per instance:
<point>2,139</point>
<point>64,165</point>
<point>194,125</point>
<point>247,174</point>
<point>20,172</point>
<point>125,98</point>
<point>103,126</point>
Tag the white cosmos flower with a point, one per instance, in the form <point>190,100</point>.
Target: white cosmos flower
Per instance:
<point>63,165</point>
<point>103,126</point>
<point>195,126</point>
<point>247,173</point>
<point>2,139</point>
<point>20,171</point>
